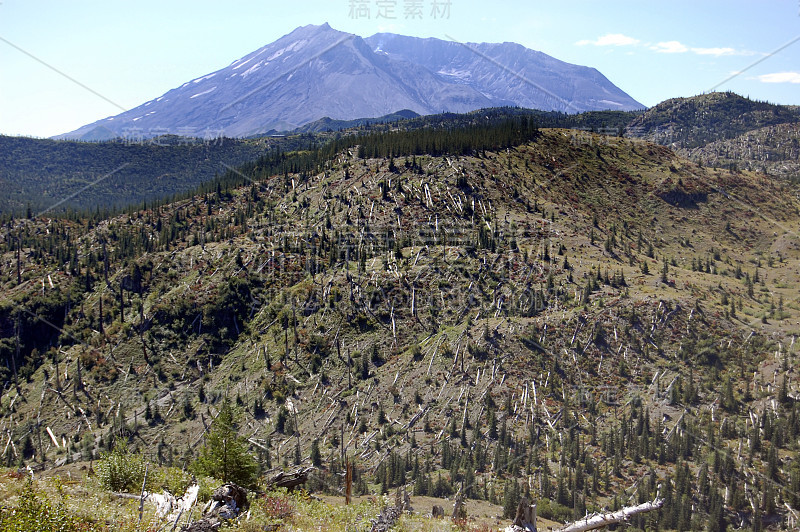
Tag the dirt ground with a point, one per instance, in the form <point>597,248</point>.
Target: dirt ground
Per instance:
<point>478,511</point>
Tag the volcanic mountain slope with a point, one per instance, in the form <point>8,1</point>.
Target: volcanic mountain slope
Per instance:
<point>316,72</point>
<point>725,129</point>
<point>511,72</point>
<point>585,321</point>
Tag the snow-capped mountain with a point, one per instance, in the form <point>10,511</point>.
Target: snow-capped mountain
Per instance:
<point>316,71</point>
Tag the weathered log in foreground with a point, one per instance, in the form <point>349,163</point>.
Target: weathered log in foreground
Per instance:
<point>290,480</point>
<point>590,522</point>
<point>386,519</point>
<point>389,515</point>
<point>227,502</point>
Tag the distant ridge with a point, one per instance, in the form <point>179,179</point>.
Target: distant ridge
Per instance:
<point>726,129</point>
<point>329,124</point>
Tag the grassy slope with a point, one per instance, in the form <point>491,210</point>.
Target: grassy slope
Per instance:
<point>543,195</point>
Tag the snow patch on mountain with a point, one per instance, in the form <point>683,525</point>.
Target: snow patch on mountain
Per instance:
<point>251,69</point>
<point>295,46</point>
<point>243,63</point>
<point>202,93</point>
<point>209,76</point>
<point>460,74</point>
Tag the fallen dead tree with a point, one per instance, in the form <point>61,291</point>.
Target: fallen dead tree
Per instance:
<point>525,520</point>
<point>227,502</point>
<point>290,480</point>
<point>390,514</point>
<point>386,519</point>
<point>590,522</point>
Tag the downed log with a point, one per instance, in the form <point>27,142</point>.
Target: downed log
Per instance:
<point>390,514</point>
<point>386,519</point>
<point>290,480</point>
<point>231,495</point>
<point>590,522</point>
<point>227,502</point>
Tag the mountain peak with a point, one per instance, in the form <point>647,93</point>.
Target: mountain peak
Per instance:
<point>312,29</point>
<point>317,71</point>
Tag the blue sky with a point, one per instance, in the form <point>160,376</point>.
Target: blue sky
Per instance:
<point>121,54</point>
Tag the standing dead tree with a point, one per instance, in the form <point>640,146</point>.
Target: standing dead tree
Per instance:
<point>526,515</point>
<point>525,520</point>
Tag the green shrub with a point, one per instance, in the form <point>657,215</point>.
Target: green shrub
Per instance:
<point>35,514</point>
<point>552,510</point>
<point>173,479</point>
<point>207,487</point>
<point>123,470</point>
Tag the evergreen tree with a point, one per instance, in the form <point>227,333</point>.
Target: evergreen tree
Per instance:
<point>224,454</point>
<point>316,456</point>
<point>510,499</point>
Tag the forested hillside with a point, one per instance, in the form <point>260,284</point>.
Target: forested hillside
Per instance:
<point>53,177</point>
<point>726,130</point>
<point>500,310</point>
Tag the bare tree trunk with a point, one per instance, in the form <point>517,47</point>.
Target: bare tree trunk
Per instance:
<point>105,263</point>
<point>58,377</point>
<point>294,330</point>
<point>458,505</point>
<point>77,383</point>
<point>590,522</point>
<point>19,275</point>
<point>39,436</point>
<point>526,516</point>
<point>348,483</point>
<point>141,497</point>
